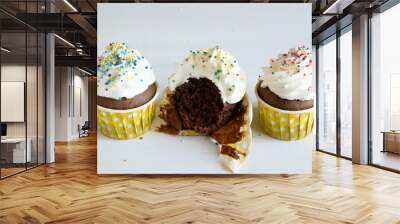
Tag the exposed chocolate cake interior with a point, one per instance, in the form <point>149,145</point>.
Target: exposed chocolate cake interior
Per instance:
<point>274,100</point>
<point>125,104</point>
<point>231,131</point>
<point>200,106</point>
<point>169,114</point>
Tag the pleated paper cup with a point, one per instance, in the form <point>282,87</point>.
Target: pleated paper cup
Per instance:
<point>284,124</point>
<point>126,124</point>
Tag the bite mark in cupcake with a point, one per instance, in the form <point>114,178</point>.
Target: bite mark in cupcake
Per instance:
<point>207,96</point>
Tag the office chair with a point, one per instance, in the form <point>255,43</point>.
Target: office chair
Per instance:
<point>84,130</point>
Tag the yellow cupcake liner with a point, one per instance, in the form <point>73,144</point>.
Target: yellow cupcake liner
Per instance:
<point>126,124</point>
<point>285,125</point>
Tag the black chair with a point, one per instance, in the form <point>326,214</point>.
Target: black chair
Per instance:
<point>84,129</point>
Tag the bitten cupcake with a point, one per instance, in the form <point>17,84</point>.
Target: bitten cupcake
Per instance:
<point>126,90</point>
<point>286,97</point>
<point>207,96</point>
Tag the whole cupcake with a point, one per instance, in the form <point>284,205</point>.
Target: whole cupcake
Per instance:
<point>207,96</point>
<point>286,97</point>
<point>126,90</point>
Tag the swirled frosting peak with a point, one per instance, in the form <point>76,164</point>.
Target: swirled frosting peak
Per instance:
<point>217,65</point>
<point>290,75</point>
<point>122,72</point>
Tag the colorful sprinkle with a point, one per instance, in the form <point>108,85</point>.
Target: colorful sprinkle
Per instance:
<point>293,61</point>
<point>117,64</point>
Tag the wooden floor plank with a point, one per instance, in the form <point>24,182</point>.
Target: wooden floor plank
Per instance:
<point>70,191</point>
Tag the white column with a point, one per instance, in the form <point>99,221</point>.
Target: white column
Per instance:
<point>360,90</point>
<point>63,101</point>
<point>50,92</point>
<point>50,100</point>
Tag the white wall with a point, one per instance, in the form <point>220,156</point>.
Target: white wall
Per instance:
<point>314,72</point>
<point>71,93</point>
<point>14,73</point>
<point>62,83</point>
<point>80,111</point>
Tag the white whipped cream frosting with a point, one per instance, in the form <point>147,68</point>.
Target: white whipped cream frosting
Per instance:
<point>290,75</point>
<point>217,65</point>
<point>122,72</point>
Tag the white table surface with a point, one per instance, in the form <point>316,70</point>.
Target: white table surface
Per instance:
<point>12,140</point>
<point>164,34</point>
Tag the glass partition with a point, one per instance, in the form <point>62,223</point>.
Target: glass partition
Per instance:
<point>22,77</point>
<point>13,92</point>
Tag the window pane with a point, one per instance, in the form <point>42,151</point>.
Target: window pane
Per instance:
<point>346,93</point>
<point>327,97</point>
<point>385,83</point>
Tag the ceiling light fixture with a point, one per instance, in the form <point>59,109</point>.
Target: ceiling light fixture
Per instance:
<point>64,40</point>
<point>70,5</point>
<point>5,50</point>
<point>79,51</point>
<point>84,71</point>
<point>328,10</point>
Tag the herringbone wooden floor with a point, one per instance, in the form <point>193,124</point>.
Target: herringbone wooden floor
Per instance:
<point>70,191</point>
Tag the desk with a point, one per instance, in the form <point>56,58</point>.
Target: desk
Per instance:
<point>391,141</point>
<point>13,150</point>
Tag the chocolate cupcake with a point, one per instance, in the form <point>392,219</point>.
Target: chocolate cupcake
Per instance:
<point>207,96</point>
<point>126,90</point>
<point>286,96</point>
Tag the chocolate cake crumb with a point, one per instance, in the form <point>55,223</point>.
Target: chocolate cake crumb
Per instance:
<point>168,130</point>
<point>232,152</point>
